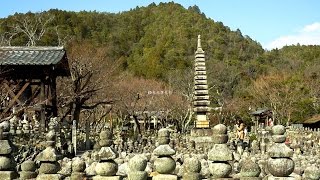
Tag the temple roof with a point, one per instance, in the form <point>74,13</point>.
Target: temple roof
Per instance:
<point>261,112</point>
<point>312,120</point>
<point>43,55</point>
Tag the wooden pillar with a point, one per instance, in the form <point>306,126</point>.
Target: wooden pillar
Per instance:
<point>53,90</point>
<point>42,106</point>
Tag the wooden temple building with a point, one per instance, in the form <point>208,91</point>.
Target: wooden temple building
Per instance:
<point>28,79</point>
<point>262,118</point>
<point>313,122</point>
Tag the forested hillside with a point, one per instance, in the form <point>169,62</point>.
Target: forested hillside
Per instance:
<point>150,40</point>
<point>158,42</point>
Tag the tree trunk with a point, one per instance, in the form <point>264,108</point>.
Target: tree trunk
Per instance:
<point>135,120</point>
<point>76,111</point>
<point>190,114</point>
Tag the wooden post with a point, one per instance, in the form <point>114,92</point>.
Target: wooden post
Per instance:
<point>53,90</point>
<point>42,106</point>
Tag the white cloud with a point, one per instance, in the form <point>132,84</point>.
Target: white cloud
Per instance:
<point>312,27</point>
<point>308,35</point>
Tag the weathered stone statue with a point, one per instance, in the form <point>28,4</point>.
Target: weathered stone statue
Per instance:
<point>220,154</point>
<point>164,163</point>
<point>137,166</point>
<point>280,163</point>
<point>78,166</point>
<point>48,160</point>
<point>7,163</point>
<point>19,128</point>
<point>249,170</point>
<point>13,123</point>
<point>107,168</point>
<point>192,168</point>
<point>312,173</point>
<point>25,124</point>
<point>36,125</point>
<point>28,170</point>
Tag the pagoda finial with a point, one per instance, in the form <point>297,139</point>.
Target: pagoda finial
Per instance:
<point>199,41</point>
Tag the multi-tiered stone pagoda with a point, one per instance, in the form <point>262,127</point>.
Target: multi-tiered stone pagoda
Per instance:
<point>201,134</point>
<point>201,95</point>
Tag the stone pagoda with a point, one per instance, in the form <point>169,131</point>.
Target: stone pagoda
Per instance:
<point>201,95</point>
<point>202,133</point>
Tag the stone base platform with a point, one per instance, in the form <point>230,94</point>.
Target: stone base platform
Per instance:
<point>8,175</point>
<point>49,176</point>
<point>27,175</point>
<point>77,175</point>
<point>165,177</point>
<point>279,178</point>
<point>202,137</point>
<point>192,176</point>
<point>250,178</point>
<point>106,178</point>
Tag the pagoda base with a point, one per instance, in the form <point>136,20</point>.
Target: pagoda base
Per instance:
<point>202,124</point>
<point>202,138</point>
<point>201,121</point>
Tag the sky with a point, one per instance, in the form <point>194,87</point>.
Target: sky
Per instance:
<point>272,23</point>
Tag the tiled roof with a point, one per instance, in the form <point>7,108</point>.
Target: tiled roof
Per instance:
<point>261,111</point>
<point>14,55</point>
<point>314,119</point>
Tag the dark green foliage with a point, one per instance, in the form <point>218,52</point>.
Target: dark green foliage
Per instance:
<point>152,40</point>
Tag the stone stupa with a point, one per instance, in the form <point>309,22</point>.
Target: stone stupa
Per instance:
<point>201,133</point>
<point>201,94</point>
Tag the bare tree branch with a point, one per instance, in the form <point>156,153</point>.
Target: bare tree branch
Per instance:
<point>33,27</point>
<point>62,41</point>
